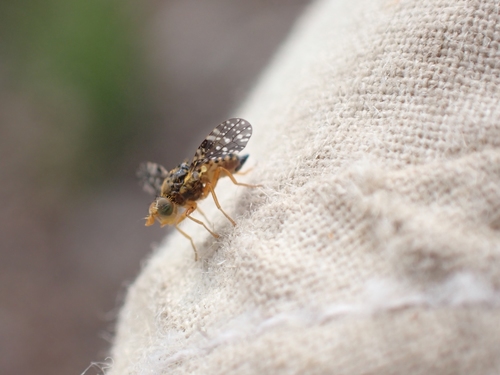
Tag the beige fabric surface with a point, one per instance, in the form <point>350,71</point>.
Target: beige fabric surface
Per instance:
<point>374,245</point>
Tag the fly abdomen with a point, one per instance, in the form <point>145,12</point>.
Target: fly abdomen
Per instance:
<point>242,159</point>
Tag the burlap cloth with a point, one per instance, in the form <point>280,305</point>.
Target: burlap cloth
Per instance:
<point>374,245</point>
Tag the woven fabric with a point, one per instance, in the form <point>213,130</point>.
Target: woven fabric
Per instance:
<point>374,245</point>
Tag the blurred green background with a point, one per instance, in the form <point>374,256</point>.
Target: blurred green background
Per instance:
<point>79,64</point>
<point>88,90</point>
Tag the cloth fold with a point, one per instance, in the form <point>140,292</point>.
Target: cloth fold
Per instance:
<point>374,245</point>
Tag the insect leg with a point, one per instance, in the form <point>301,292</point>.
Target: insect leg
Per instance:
<point>209,185</point>
<point>231,176</point>
<point>204,216</point>
<point>185,214</point>
<point>204,226</point>
<point>191,207</point>
<point>190,239</point>
<point>244,173</point>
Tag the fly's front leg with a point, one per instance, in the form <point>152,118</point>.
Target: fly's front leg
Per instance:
<point>181,218</point>
<point>190,240</point>
<point>187,214</point>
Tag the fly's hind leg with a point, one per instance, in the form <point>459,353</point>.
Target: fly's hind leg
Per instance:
<point>231,176</point>
<point>244,173</point>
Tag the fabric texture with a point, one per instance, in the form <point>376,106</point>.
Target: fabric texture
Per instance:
<point>373,246</point>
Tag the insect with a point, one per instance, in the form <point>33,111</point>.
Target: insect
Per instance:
<point>178,190</point>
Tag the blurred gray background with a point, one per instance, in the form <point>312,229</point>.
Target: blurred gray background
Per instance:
<point>88,90</point>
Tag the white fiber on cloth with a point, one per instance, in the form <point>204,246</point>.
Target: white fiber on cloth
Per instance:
<point>373,246</point>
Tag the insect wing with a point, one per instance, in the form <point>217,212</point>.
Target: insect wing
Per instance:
<point>229,137</point>
<point>151,176</point>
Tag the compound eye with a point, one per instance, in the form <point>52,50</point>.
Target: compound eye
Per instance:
<point>164,207</point>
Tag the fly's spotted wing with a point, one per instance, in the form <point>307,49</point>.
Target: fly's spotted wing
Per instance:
<point>229,137</point>
<point>151,176</point>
